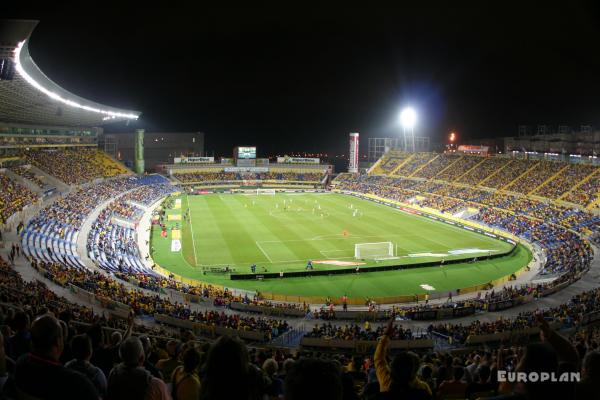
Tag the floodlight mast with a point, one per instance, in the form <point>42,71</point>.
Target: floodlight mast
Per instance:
<point>408,119</point>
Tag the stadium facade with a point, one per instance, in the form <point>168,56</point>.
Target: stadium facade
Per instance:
<point>159,147</point>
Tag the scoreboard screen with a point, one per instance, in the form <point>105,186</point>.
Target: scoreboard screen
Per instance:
<point>247,153</point>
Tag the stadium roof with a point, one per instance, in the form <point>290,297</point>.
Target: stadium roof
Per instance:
<point>28,96</point>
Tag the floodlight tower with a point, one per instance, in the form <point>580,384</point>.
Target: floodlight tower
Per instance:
<point>408,119</point>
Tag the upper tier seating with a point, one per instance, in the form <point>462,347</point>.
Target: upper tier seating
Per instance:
<point>76,166</point>
<point>575,183</point>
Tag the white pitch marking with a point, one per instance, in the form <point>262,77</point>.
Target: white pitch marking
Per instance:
<point>192,230</point>
<point>263,251</point>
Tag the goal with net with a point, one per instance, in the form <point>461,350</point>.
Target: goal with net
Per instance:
<point>265,191</point>
<point>374,251</point>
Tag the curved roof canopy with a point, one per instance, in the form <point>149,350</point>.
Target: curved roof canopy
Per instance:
<point>28,96</point>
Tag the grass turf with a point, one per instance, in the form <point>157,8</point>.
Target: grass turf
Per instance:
<point>238,230</point>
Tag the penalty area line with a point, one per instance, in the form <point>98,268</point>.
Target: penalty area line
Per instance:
<point>263,251</point>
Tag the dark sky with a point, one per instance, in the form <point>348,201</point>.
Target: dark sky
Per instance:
<point>300,79</point>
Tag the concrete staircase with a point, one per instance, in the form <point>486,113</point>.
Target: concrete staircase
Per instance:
<point>52,181</point>
<point>24,182</point>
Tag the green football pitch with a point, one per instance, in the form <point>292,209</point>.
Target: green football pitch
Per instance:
<point>282,232</point>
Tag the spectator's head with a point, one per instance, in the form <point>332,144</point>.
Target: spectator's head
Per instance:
<point>172,348</point>
<point>131,352</point>
<point>21,321</point>
<point>231,355</point>
<point>404,368</point>
<point>538,357</point>
<point>47,337</point>
<point>287,365</point>
<point>484,373</point>
<point>458,372</point>
<point>146,344</point>
<point>357,363</point>
<point>426,372</point>
<point>81,347</point>
<point>314,379</point>
<point>191,360</point>
<point>591,366</point>
<point>270,366</point>
<point>115,338</point>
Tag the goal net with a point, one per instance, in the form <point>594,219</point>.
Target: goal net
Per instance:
<point>374,251</point>
<point>265,191</point>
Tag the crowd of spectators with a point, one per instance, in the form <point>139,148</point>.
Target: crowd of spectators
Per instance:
<point>436,166</point>
<point>13,198</point>
<point>75,166</point>
<point>107,290</point>
<point>416,162</point>
<point>508,174</point>
<point>498,172</point>
<point>566,252</point>
<point>460,167</point>
<point>357,332</point>
<point>222,176</point>
<point>208,176</point>
<point>391,160</point>
<point>585,193</point>
<point>536,176</point>
<point>128,364</point>
<point>26,173</point>
<point>564,181</point>
<point>484,170</point>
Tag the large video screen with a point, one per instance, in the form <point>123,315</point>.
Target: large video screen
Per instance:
<point>247,153</point>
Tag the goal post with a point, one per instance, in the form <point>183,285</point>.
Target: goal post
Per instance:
<point>374,251</point>
<point>261,191</point>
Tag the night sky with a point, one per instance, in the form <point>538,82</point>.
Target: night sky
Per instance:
<point>300,79</point>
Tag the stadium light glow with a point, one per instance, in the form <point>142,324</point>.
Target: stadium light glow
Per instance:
<point>57,97</point>
<point>408,118</point>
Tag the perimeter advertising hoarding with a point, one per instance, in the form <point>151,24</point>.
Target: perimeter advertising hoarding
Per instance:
<point>193,160</point>
<point>466,148</point>
<point>246,169</point>
<point>297,160</point>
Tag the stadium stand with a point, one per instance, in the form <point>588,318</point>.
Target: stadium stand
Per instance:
<point>484,170</point>
<point>30,176</point>
<point>565,180</point>
<point>391,161</point>
<point>76,167</point>
<point>535,176</point>
<point>436,166</point>
<point>508,174</point>
<point>13,198</point>
<point>48,241</point>
<point>222,176</point>
<point>416,162</point>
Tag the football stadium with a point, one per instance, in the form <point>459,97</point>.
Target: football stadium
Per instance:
<point>135,264</point>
